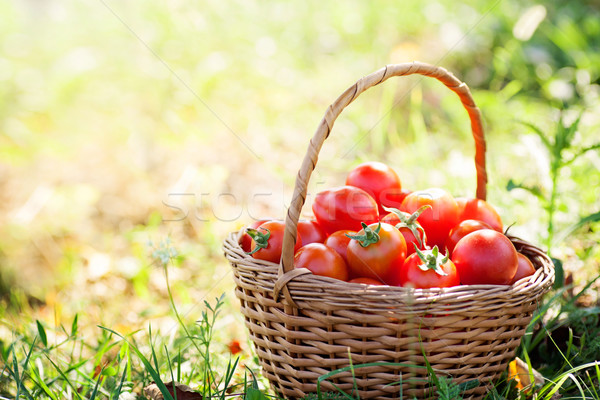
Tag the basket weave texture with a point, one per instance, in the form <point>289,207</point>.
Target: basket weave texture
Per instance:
<point>305,326</point>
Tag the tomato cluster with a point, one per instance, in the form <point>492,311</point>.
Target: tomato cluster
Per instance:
<point>373,231</point>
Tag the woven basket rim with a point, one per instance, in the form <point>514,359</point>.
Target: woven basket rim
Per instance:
<point>538,283</point>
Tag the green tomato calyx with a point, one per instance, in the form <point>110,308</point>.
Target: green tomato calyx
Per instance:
<point>369,237</point>
<point>409,221</point>
<point>432,259</point>
<point>261,239</point>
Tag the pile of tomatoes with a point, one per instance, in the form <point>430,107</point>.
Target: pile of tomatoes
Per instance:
<point>373,231</point>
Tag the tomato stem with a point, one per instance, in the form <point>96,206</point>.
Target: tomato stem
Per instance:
<point>261,239</point>
<point>409,221</point>
<point>432,259</point>
<point>370,236</point>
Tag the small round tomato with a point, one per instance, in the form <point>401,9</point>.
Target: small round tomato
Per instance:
<point>377,251</point>
<point>344,207</point>
<point>366,281</point>
<point>479,210</point>
<point>413,232</point>
<point>267,240</point>
<point>437,220</point>
<point>377,179</point>
<point>463,229</point>
<point>525,268</point>
<point>311,232</point>
<point>485,256</point>
<point>428,269</point>
<point>321,260</point>
<point>339,240</point>
<point>246,240</point>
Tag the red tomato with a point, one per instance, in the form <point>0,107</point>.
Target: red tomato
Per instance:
<point>485,256</point>
<point>409,227</point>
<point>246,240</point>
<point>430,269</point>
<point>380,252</point>
<point>267,240</point>
<point>377,179</point>
<point>311,232</point>
<point>366,281</point>
<point>344,207</point>
<point>463,229</point>
<point>479,210</point>
<point>339,242</point>
<point>525,268</point>
<point>437,220</point>
<point>321,260</point>
<point>395,199</point>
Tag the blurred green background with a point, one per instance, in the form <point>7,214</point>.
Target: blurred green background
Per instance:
<point>123,123</point>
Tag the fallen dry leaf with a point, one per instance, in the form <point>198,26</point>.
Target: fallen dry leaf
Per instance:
<point>519,371</point>
<point>184,392</point>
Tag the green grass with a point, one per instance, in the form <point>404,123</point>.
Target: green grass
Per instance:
<point>123,124</point>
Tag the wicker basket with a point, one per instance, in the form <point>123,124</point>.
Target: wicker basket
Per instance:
<point>305,326</point>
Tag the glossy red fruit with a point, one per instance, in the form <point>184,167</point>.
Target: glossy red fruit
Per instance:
<point>479,210</point>
<point>377,251</point>
<point>463,229</point>
<point>267,240</point>
<point>485,256</point>
<point>377,179</point>
<point>429,269</point>
<point>344,207</point>
<point>321,260</point>
<point>338,241</point>
<point>525,268</point>
<point>437,220</point>
<point>311,232</point>
<point>409,227</point>
<point>246,240</point>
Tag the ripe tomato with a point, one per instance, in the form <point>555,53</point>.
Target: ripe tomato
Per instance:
<point>437,220</point>
<point>525,268</point>
<point>463,229</point>
<point>344,207</point>
<point>267,240</point>
<point>366,281</point>
<point>479,210</point>
<point>321,260</point>
<point>246,240</point>
<point>311,232</point>
<point>377,179</point>
<point>339,242</point>
<point>485,256</point>
<point>407,224</point>
<point>395,199</point>
<point>428,269</point>
<point>377,252</point>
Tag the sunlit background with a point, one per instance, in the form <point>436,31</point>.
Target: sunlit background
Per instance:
<point>126,123</point>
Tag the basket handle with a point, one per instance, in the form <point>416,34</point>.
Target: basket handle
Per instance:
<point>335,109</point>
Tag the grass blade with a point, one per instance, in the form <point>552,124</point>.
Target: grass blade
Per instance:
<point>42,333</point>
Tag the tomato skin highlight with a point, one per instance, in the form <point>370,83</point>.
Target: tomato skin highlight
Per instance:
<point>462,229</point>
<point>525,268</point>
<point>272,252</point>
<point>321,260</point>
<point>344,207</point>
<point>339,242</point>
<point>311,232</point>
<point>437,220</point>
<point>380,260</point>
<point>377,179</point>
<point>479,210</point>
<point>246,240</point>
<point>414,277</point>
<point>485,256</point>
